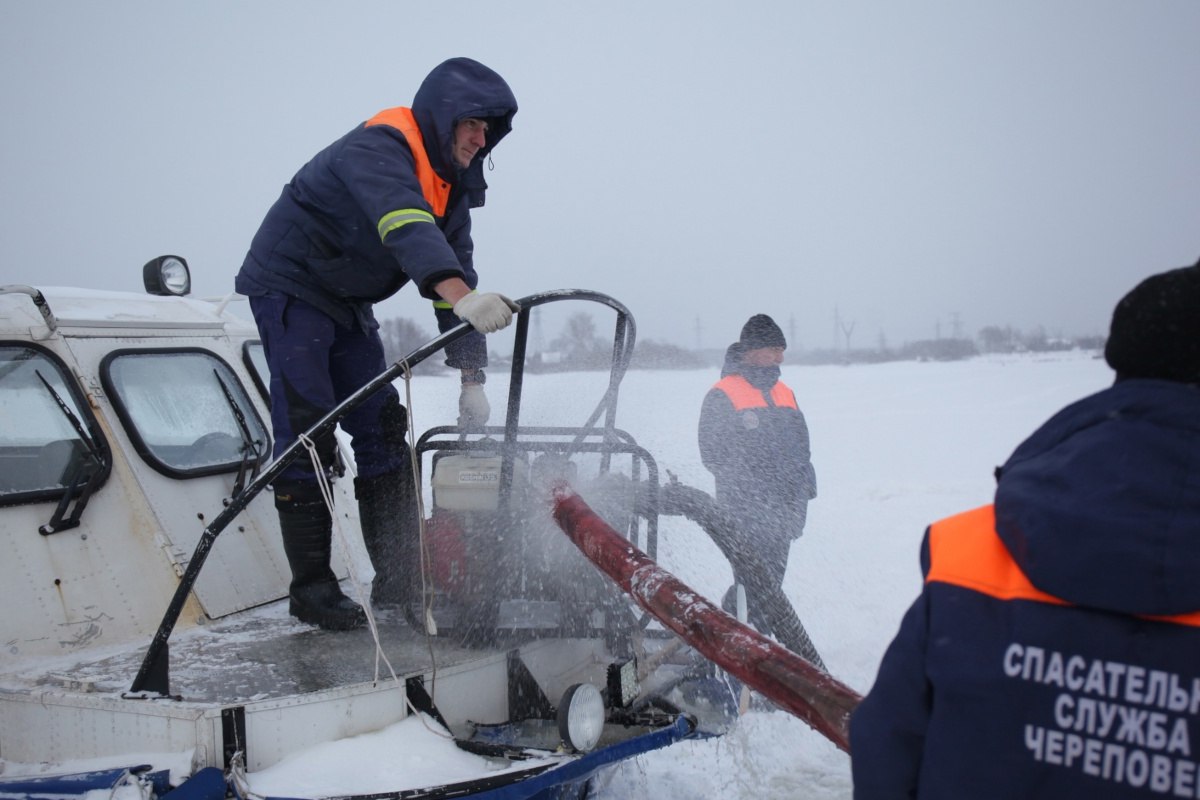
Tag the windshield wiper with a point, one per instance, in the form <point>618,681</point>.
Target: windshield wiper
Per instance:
<point>249,448</point>
<point>85,473</point>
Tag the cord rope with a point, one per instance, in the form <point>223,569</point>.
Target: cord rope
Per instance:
<point>362,595</point>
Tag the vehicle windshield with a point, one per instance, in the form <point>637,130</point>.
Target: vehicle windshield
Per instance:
<point>43,425</point>
<point>186,411</point>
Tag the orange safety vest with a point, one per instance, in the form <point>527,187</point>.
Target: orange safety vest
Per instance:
<point>966,551</point>
<point>744,395</point>
<point>435,190</point>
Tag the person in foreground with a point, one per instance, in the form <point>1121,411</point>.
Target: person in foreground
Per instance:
<point>1055,649</point>
<point>387,204</point>
<point>754,440</point>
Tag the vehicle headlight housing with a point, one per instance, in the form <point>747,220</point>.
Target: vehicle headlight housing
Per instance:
<point>581,717</point>
<point>622,683</point>
<point>167,275</point>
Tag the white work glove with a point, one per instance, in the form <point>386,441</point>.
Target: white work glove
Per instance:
<point>487,312</point>
<point>473,407</point>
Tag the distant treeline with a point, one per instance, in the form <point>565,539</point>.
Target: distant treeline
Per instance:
<point>580,348</point>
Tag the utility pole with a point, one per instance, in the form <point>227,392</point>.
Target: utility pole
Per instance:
<point>841,329</point>
<point>848,329</point>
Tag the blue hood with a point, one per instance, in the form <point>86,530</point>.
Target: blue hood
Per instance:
<point>453,91</point>
<point>1101,505</point>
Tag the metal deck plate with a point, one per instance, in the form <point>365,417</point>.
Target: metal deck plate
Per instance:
<point>260,654</point>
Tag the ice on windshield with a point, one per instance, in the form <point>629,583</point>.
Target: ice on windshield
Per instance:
<point>174,404</point>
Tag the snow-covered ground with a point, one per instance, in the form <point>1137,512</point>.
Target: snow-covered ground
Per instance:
<point>896,447</point>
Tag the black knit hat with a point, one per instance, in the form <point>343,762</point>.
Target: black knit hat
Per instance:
<point>1156,328</point>
<point>761,331</point>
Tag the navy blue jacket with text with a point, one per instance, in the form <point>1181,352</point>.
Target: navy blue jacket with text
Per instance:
<point>1054,651</point>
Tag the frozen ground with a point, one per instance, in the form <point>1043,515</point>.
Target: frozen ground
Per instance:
<point>896,447</point>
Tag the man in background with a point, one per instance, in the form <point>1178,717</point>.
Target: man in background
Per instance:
<point>1053,651</point>
<point>754,440</point>
<point>387,204</point>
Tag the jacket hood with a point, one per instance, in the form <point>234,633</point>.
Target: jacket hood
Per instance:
<point>733,360</point>
<point>455,90</point>
<point>1101,505</point>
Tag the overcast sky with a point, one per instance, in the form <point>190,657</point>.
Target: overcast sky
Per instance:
<point>918,168</point>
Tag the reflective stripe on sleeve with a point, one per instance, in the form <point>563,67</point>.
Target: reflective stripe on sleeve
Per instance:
<point>398,219</point>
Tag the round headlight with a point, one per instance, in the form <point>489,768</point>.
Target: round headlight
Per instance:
<point>581,717</point>
<point>175,276</point>
<point>167,275</point>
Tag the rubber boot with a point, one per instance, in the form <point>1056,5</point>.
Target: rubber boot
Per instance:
<point>388,514</point>
<point>315,596</point>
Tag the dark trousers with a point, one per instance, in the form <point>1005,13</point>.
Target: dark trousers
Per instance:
<point>767,537</point>
<point>315,364</point>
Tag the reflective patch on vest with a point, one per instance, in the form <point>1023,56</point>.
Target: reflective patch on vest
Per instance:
<point>749,420</point>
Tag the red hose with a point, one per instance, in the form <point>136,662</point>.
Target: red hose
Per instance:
<point>765,666</point>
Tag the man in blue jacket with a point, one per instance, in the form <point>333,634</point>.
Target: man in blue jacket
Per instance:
<point>1054,651</point>
<point>387,204</point>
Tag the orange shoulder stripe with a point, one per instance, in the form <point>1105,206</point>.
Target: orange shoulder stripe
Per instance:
<point>966,551</point>
<point>744,395</point>
<point>435,190</point>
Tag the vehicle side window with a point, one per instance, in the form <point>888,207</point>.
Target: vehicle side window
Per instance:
<point>48,436</point>
<point>185,411</point>
<point>256,361</point>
